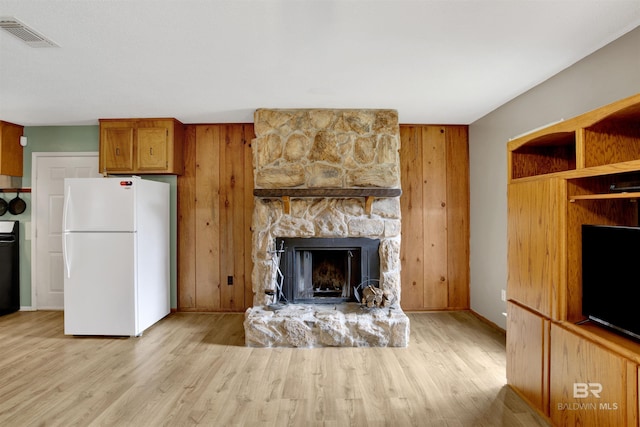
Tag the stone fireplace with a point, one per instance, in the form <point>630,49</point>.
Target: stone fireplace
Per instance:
<point>326,229</point>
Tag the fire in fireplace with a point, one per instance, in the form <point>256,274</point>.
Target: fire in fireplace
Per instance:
<point>328,270</point>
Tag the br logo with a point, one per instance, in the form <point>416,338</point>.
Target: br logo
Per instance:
<point>582,390</point>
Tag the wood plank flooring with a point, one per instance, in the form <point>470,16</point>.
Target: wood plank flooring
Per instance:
<point>193,369</point>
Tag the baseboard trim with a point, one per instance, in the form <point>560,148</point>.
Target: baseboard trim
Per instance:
<point>488,322</point>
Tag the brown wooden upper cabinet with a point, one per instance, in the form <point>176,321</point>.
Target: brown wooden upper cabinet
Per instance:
<point>141,146</point>
<point>10,149</point>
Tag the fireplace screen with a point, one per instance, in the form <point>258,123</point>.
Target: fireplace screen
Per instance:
<point>327,270</point>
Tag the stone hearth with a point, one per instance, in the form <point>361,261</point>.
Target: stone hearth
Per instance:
<point>326,325</point>
<point>301,152</point>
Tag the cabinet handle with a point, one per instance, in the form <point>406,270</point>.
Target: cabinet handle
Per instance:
<point>151,151</point>
<point>117,151</point>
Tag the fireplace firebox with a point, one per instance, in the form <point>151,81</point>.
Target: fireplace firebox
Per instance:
<point>328,270</point>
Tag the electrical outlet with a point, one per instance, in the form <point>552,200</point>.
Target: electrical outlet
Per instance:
<point>503,294</point>
<point>229,280</point>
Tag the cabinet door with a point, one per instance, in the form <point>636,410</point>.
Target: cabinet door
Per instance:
<point>536,214</point>
<point>589,384</point>
<point>153,145</point>
<point>528,356</point>
<point>10,149</point>
<point>116,147</point>
<point>141,146</point>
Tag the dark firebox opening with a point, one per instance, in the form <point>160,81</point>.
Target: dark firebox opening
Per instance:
<point>326,273</point>
<point>328,270</point>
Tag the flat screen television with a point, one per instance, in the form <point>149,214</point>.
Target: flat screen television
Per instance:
<point>611,277</point>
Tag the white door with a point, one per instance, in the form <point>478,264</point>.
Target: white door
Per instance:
<point>49,172</point>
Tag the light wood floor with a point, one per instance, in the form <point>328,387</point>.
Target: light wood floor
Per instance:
<point>192,369</point>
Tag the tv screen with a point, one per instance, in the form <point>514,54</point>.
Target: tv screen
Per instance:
<point>611,277</point>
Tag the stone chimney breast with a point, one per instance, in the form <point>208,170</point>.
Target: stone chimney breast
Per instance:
<point>331,174</point>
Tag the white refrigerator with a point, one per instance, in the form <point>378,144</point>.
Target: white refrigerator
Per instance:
<point>115,247</point>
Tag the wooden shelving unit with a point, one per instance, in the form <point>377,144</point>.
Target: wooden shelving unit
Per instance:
<point>559,178</point>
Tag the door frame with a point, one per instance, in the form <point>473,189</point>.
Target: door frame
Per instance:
<point>35,156</point>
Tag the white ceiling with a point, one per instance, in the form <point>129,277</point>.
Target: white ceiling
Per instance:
<point>217,61</point>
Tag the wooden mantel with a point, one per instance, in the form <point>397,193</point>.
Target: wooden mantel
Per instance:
<point>369,193</point>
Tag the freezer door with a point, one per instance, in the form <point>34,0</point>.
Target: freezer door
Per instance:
<point>99,204</point>
<point>99,284</point>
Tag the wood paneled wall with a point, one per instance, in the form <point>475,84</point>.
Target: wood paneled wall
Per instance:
<point>435,217</point>
<point>215,204</point>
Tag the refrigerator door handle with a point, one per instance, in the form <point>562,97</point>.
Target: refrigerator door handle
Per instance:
<point>65,209</point>
<point>65,256</point>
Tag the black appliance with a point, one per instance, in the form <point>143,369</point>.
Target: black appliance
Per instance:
<point>9,267</point>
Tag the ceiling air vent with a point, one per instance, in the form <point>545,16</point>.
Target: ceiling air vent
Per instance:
<point>24,33</point>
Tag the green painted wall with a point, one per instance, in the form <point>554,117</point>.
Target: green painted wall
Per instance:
<point>73,139</point>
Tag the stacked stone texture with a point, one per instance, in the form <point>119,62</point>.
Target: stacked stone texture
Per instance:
<point>326,149</point>
<point>325,217</point>
<point>319,325</point>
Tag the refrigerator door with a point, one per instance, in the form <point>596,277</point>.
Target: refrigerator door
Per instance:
<point>100,294</point>
<point>99,204</point>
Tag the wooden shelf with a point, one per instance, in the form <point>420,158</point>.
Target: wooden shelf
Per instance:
<point>604,138</point>
<point>15,190</point>
<point>607,196</point>
<point>616,168</point>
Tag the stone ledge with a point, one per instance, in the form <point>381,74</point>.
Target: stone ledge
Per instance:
<point>326,325</point>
